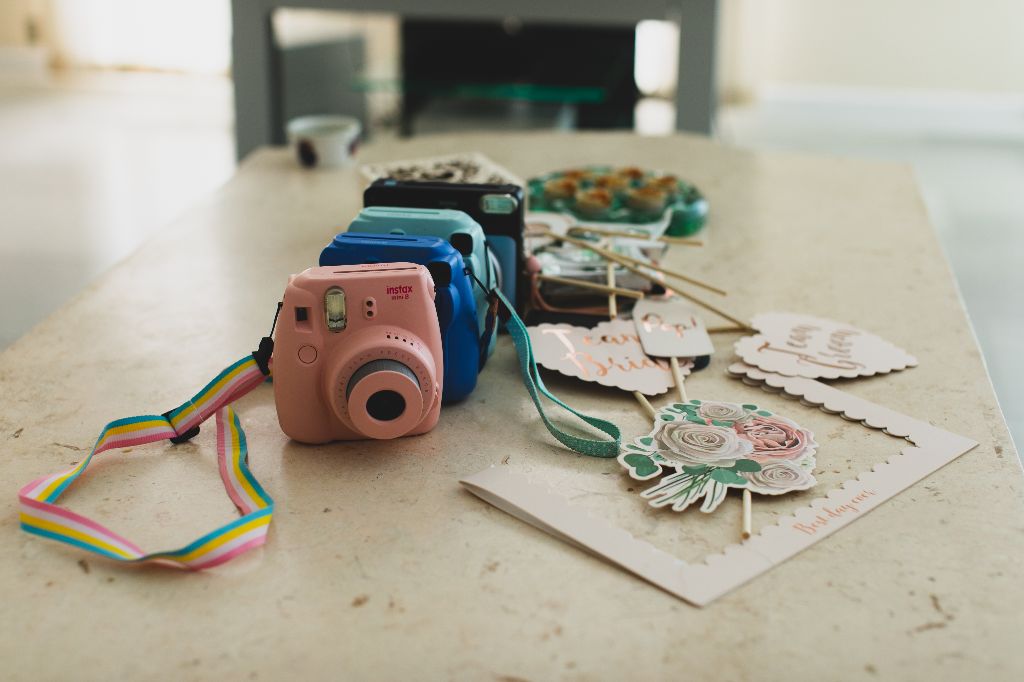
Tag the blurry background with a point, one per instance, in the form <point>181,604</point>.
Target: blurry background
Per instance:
<point>116,115</point>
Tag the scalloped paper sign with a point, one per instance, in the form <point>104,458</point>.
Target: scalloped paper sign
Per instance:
<point>709,446</point>
<point>610,354</point>
<point>701,583</point>
<point>818,348</point>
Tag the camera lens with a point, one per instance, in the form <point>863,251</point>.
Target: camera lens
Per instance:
<point>385,406</point>
<point>380,393</point>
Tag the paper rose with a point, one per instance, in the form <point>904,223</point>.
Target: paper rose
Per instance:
<point>689,443</point>
<point>707,447</point>
<point>779,477</point>
<point>722,411</point>
<point>774,438</point>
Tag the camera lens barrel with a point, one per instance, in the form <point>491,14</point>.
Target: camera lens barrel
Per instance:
<point>382,365</point>
<point>384,398</point>
<point>383,405</point>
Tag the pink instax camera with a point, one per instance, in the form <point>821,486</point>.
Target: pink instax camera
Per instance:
<point>358,353</point>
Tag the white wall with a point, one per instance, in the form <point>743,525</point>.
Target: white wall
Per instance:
<point>960,45</point>
<point>904,44</point>
<point>173,35</point>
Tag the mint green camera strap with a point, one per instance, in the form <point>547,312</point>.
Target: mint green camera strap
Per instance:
<point>535,385</point>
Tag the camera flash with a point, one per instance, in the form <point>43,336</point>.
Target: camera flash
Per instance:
<point>498,204</point>
<point>334,308</point>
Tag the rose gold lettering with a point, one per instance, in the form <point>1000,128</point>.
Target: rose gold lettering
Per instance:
<point>848,508</point>
<point>563,336</point>
<point>650,321</point>
<point>809,359</point>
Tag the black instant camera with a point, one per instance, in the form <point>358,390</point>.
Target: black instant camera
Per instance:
<point>499,209</point>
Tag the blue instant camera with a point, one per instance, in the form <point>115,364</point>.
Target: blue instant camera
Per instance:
<point>461,333</point>
<point>454,227</point>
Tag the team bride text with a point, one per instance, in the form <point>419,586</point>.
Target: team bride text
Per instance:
<point>619,356</point>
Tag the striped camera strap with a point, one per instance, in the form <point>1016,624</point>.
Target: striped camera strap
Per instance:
<point>40,514</point>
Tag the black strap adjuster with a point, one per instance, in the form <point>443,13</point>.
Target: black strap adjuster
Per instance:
<point>262,355</point>
<point>181,437</point>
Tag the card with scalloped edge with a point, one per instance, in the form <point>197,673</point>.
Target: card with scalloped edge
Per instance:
<point>610,354</point>
<point>707,447</point>
<point>818,348</point>
<point>928,448</point>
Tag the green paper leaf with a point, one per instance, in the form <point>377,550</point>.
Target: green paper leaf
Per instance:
<point>719,422</point>
<point>696,420</point>
<point>680,406</point>
<point>642,465</point>
<point>726,476</point>
<point>695,402</point>
<point>634,447</point>
<point>695,469</point>
<point>646,440</point>
<point>764,413</point>
<point>746,465</point>
<point>668,417</point>
<point>750,407</point>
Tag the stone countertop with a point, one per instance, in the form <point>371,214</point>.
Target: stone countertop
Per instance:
<point>379,566</point>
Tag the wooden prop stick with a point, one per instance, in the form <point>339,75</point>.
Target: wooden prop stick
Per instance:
<point>678,377</point>
<point>608,255</point>
<point>673,274</point>
<point>746,513</point>
<point>681,241</point>
<point>644,403</point>
<point>613,312</point>
<point>627,260</point>
<point>703,304</point>
<point>613,306</point>
<point>583,284</point>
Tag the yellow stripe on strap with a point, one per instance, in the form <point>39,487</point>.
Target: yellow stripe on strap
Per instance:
<point>218,541</point>
<point>77,535</point>
<point>236,464</point>
<point>195,404</point>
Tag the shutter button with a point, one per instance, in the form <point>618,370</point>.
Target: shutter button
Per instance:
<point>307,354</point>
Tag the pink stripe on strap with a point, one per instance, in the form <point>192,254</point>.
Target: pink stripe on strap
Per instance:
<point>228,556</point>
<point>136,438</point>
<point>72,516</point>
<point>224,464</point>
<point>28,488</point>
<point>236,388</point>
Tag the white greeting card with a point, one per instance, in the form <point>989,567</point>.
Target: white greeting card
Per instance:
<point>700,583</point>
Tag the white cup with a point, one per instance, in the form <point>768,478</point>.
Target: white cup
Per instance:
<point>324,141</point>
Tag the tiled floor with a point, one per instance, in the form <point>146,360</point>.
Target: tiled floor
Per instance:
<point>89,166</point>
<point>92,164</point>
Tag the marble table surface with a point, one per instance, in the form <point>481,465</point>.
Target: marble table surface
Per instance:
<point>379,566</point>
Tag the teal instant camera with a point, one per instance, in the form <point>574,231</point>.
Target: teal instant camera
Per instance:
<point>455,227</point>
